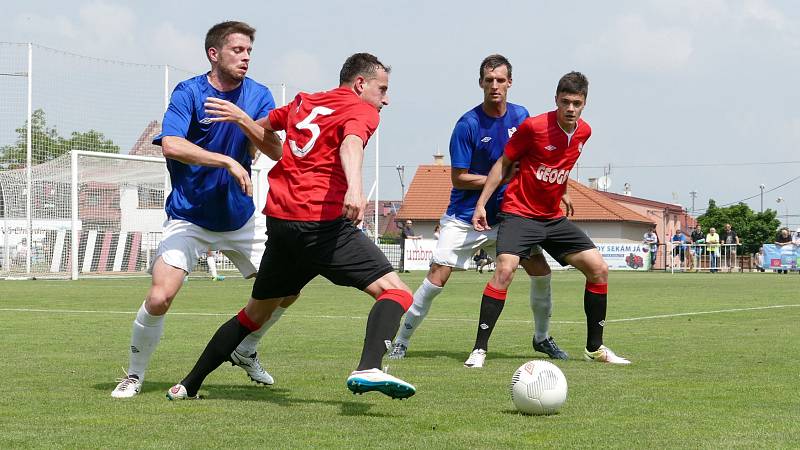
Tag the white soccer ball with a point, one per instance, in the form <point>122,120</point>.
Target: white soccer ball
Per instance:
<point>538,387</point>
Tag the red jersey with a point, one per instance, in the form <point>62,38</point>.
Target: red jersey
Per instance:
<point>546,154</point>
<point>308,183</point>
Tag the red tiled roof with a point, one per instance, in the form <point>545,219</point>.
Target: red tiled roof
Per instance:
<point>429,194</point>
<point>592,206</point>
<point>144,145</point>
<point>671,207</point>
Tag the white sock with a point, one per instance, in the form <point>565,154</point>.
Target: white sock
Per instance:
<point>212,265</point>
<point>423,298</point>
<point>248,346</point>
<point>147,331</point>
<point>542,306</point>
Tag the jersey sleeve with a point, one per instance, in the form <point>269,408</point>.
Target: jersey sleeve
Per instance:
<point>277,117</point>
<point>363,122</point>
<point>178,115</point>
<point>461,145</point>
<point>267,105</point>
<point>519,142</point>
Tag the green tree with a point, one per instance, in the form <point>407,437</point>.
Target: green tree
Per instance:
<point>753,229</point>
<point>46,144</point>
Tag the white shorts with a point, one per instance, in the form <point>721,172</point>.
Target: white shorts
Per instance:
<point>458,242</point>
<point>184,242</point>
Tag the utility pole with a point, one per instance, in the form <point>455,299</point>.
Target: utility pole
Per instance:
<point>401,170</point>
<point>761,186</point>
<point>694,195</point>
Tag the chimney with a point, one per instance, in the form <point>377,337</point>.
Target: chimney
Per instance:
<point>627,189</point>
<point>438,158</point>
<point>593,183</point>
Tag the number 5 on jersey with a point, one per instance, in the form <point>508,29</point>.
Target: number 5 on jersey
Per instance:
<point>307,124</point>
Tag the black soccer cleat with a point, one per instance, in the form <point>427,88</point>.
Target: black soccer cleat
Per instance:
<point>549,347</point>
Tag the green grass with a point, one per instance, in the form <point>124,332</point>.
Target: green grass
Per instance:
<point>725,379</point>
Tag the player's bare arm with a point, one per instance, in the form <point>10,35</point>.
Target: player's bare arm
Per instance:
<point>569,210</point>
<point>351,153</point>
<point>466,181</point>
<point>259,132</point>
<point>179,149</point>
<point>493,180</point>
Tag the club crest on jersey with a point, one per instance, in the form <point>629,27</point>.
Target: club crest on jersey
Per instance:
<point>486,139</point>
<point>550,148</point>
<point>511,131</point>
<point>552,175</point>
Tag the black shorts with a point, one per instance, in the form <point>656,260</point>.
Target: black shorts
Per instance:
<point>296,252</point>
<point>558,237</point>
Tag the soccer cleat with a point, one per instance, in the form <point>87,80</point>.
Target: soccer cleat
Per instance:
<point>398,351</point>
<point>252,366</point>
<point>178,392</point>
<point>361,381</point>
<point>476,359</point>
<point>127,387</point>
<point>604,355</point>
<point>218,278</point>
<point>549,347</point>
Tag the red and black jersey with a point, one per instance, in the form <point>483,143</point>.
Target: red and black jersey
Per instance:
<point>308,183</point>
<point>546,155</point>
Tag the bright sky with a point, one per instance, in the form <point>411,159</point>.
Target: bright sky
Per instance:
<point>685,95</point>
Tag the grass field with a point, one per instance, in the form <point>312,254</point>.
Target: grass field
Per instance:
<point>714,366</point>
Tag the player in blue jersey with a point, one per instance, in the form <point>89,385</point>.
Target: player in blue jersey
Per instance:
<point>211,204</point>
<point>476,144</point>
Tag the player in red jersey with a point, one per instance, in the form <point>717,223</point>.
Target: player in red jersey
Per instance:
<point>546,148</point>
<point>315,200</point>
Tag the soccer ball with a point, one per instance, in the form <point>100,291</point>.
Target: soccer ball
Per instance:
<point>538,387</point>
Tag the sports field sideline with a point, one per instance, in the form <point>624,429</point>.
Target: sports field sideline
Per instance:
<point>713,367</point>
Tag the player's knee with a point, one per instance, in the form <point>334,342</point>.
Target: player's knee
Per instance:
<point>598,272</point>
<point>502,277</point>
<point>158,301</point>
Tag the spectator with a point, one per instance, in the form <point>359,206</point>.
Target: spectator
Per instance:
<point>712,247</point>
<point>783,239</point>
<point>651,240</point>
<point>698,239</point>
<point>482,259</point>
<point>731,240</point>
<point>407,232</point>
<point>679,242</point>
<point>759,259</point>
<point>796,239</point>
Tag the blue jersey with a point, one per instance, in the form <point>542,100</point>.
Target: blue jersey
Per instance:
<point>476,144</point>
<point>208,196</point>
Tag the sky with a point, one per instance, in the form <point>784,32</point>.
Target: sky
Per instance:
<point>685,95</point>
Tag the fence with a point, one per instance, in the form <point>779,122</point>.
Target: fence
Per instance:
<point>706,258</point>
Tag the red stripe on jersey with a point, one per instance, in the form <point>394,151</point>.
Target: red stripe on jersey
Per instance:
<point>400,296</point>
<point>493,292</point>
<point>308,183</point>
<point>597,288</point>
<point>546,156</point>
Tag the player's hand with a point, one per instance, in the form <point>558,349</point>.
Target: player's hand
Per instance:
<point>568,208</point>
<point>241,176</point>
<point>353,207</point>
<point>510,173</point>
<point>479,221</point>
<point>220,110</point>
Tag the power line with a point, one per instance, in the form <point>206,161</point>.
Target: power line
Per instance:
<point>754,196</point>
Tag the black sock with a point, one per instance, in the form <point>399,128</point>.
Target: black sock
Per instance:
<point>217,351</point>
<point>595,301</point>
<point>382,325</point>
<point>492,304</point>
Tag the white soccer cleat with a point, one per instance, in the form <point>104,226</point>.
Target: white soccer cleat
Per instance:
<point>476,359</point>
<point>361,381</point>
<point>127,387</point>
<point>252,366</point>
<point>604,355</point>
<point>178,392</point>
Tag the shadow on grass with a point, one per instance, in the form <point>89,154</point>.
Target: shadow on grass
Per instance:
<point>458,356</point>
<point>277,396</point>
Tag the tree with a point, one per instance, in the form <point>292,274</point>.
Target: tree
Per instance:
<point>46,144</point>
<point>753,229</point>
